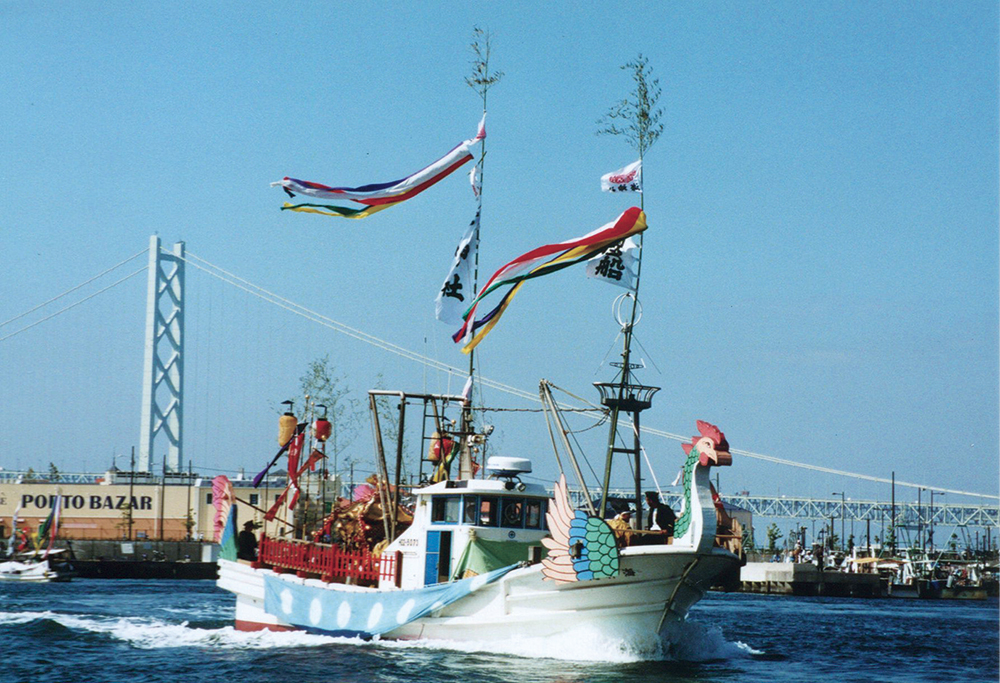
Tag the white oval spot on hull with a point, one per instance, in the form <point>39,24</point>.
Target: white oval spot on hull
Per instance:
<point>343,614</point>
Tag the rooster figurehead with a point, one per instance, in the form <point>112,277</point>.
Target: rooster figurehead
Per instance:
<point>711,446</point>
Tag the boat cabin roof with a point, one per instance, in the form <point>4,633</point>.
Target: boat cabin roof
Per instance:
<point>490,486</point>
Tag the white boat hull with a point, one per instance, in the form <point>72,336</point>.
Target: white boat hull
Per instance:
<point>657,586</point>
<point>29,572</point>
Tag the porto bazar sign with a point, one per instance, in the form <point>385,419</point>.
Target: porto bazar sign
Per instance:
<point>78,502</point>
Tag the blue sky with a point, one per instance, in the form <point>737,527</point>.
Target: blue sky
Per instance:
<point>821,272</point>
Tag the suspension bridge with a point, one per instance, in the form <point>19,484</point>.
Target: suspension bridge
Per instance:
<point>163,396</point>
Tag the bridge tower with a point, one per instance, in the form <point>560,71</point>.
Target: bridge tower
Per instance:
<point>163,369</point>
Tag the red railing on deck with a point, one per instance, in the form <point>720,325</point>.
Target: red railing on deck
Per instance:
<point>328,562</point>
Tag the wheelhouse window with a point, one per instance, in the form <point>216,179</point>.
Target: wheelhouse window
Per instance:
<point>513,513</point>
<point>533,514</point>
<point>489,511</point>
<point>470,510</point>
<point>446,509</point>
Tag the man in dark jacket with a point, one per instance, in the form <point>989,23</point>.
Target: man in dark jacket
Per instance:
<point>661,517</point>
<point>246,543</point>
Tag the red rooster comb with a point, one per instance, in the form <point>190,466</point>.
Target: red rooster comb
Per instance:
<point>712,432</point>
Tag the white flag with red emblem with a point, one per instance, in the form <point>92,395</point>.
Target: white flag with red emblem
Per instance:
<point>628,179</point>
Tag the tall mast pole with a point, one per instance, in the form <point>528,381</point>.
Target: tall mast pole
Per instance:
<point>637,119</point>
<point>479,210</point>
<point>481,81</point>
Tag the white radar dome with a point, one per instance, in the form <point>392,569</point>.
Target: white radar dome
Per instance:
<point>507,466</point>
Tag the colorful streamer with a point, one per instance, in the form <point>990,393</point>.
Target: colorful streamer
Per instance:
<point>542,261</point>
<point>378,196</point>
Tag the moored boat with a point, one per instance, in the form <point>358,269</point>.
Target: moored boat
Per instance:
<point>34,568</point>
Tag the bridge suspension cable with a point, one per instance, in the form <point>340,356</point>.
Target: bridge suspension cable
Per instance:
<point>73,289</point>
<point>71,306</point>
<point>298,309</point>
<point>820,468</point>
<point>314,316</point>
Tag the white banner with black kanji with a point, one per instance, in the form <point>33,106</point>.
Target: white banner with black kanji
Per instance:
<point>615,265</point>
<point>456,292</point>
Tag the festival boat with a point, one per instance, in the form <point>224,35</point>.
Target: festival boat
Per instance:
<point>482,555</point>
<point>482,558</point>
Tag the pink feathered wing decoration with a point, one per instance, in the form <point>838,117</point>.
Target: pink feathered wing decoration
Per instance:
<point>222,499</point>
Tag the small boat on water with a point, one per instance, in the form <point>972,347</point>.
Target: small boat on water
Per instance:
<point>42,564</point>
<point>917,575</point>
<point>36,568</point>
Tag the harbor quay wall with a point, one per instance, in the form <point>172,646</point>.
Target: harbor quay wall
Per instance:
<point>91,559</point>
<point>141,551</point>
<point>803,578</point>
<point>124,510</point>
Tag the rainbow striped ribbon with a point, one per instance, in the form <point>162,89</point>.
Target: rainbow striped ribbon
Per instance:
<point>378,196</point>
<point>542,261</point>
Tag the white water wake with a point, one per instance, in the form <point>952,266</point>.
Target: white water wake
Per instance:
<point>685,641</point>
<point>151,633</point>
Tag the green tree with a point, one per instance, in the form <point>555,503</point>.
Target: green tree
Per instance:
<point>773,536</point>
<point>53,472</point>
<point>189,522</point>
<point>321,385</point>
<point>637,117</point>
<point>890,538</point>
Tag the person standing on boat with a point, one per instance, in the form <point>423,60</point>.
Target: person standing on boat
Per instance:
<point>246,543</point>
<point>661,517</point>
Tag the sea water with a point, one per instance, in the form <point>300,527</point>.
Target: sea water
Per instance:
<point>176,631</point>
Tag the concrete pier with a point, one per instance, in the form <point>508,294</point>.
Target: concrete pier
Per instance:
<point>786,578</point>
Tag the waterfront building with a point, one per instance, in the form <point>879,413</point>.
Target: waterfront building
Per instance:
<point>127,506</point>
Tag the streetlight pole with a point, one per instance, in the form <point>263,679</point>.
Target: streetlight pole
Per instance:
<point>920,522</point>
<point>841,494</point>
<point>930,534</point>
<point>131,491</point>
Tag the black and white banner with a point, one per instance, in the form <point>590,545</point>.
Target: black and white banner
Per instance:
<point>615,265</point>
<point>456,292</point>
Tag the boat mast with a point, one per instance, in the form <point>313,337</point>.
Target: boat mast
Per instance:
<point>637,119</point>
<point>481,80</point>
